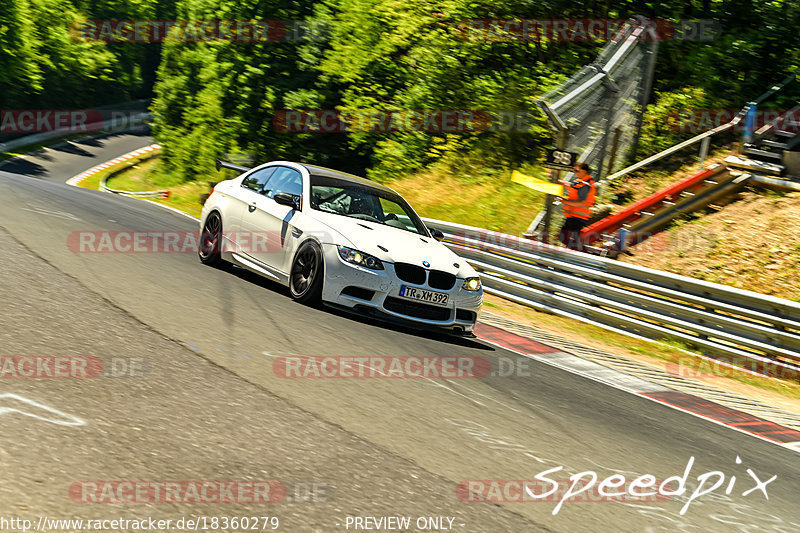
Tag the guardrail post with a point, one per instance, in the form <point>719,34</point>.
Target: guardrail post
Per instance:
<point>704,144</point>
<point>612,93</point>
<point>614,145</point>
<point>749,123</point>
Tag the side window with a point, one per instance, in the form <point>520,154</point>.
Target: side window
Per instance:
<point>286,180</point>
<point>257,179</point>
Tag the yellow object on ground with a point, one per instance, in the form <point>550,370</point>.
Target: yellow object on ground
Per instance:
<point>546,187</point>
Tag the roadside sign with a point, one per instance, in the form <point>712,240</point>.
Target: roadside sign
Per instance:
<point>560,159</point>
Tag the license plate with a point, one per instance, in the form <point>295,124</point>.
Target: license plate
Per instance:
<point>423,295</point>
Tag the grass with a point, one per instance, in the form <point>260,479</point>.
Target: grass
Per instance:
<point>93,181</point>
<point>145,173</point>
<point>486,201</point>
<point>493,203</point>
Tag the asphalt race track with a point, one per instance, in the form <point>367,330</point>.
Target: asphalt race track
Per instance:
<point>198,395</point>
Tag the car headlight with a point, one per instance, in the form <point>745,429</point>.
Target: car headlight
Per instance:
<point>471,284</point>
<point>359,258</point>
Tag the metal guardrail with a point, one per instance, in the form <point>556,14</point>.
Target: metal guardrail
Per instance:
<point>705,137</point>
<point>132,158</point>
<point>770,126</point>
<point>642,219</point>
<point>743,328</point>
<point>95,127</point>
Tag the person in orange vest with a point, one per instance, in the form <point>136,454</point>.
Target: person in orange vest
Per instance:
<point>578,199</point>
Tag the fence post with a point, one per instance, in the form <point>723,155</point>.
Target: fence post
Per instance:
<point>644,100</point>
<point>704,149</point>
<point>561,144</point>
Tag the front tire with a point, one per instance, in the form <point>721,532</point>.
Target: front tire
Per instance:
<point>305,276</point>
<point>210,244</point>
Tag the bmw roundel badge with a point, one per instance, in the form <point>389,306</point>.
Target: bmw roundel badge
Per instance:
<point>426,264</point>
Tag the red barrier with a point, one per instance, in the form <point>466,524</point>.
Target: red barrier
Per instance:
<point>612,223</point>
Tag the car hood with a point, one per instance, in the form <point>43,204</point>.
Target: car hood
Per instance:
<point>394,245</point>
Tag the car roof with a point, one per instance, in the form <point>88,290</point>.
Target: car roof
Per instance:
<point>330,173</point>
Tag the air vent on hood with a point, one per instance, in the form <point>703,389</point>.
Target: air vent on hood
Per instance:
<point>363,225</point>
<point>384,249</point>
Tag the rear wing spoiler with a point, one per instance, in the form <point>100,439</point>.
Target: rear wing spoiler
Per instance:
<point>224,164</point>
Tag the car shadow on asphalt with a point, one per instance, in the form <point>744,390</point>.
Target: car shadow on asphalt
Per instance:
<point>400,326</point>
<point>387,323</point>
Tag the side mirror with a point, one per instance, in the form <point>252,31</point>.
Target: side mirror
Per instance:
<point>284,198</point>
<point>436,234</point>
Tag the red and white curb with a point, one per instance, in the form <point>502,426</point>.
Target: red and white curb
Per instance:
<point>75,180</point>
<point>688,403</point>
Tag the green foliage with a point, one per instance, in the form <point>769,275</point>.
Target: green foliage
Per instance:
<point>382,56</point>
<point>219,98</point>
<point>671,119</point>
<point>413,56</point>
<point>40,63</point>
<point>19,70</point>
<point>377,56</point>
<point>44,62</point>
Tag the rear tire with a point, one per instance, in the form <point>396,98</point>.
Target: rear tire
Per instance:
<point>305,276</point>
<point>210,244</point>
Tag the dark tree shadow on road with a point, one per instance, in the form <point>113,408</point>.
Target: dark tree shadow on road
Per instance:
<point>97,141</point>
<point>71,148</point>
<point>387,322</point>
<point>25,167</point>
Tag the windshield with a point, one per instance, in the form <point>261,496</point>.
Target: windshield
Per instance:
<point>348,199</point>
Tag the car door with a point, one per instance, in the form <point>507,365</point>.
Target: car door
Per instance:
<point>270,222</point>
<point>239,199</point>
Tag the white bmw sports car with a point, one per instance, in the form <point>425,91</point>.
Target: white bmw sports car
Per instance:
<point>341,239</point>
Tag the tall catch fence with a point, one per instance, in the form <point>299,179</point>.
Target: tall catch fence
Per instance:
<point>597,113</point>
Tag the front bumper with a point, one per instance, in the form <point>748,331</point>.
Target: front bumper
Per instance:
<point>362,289</point>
